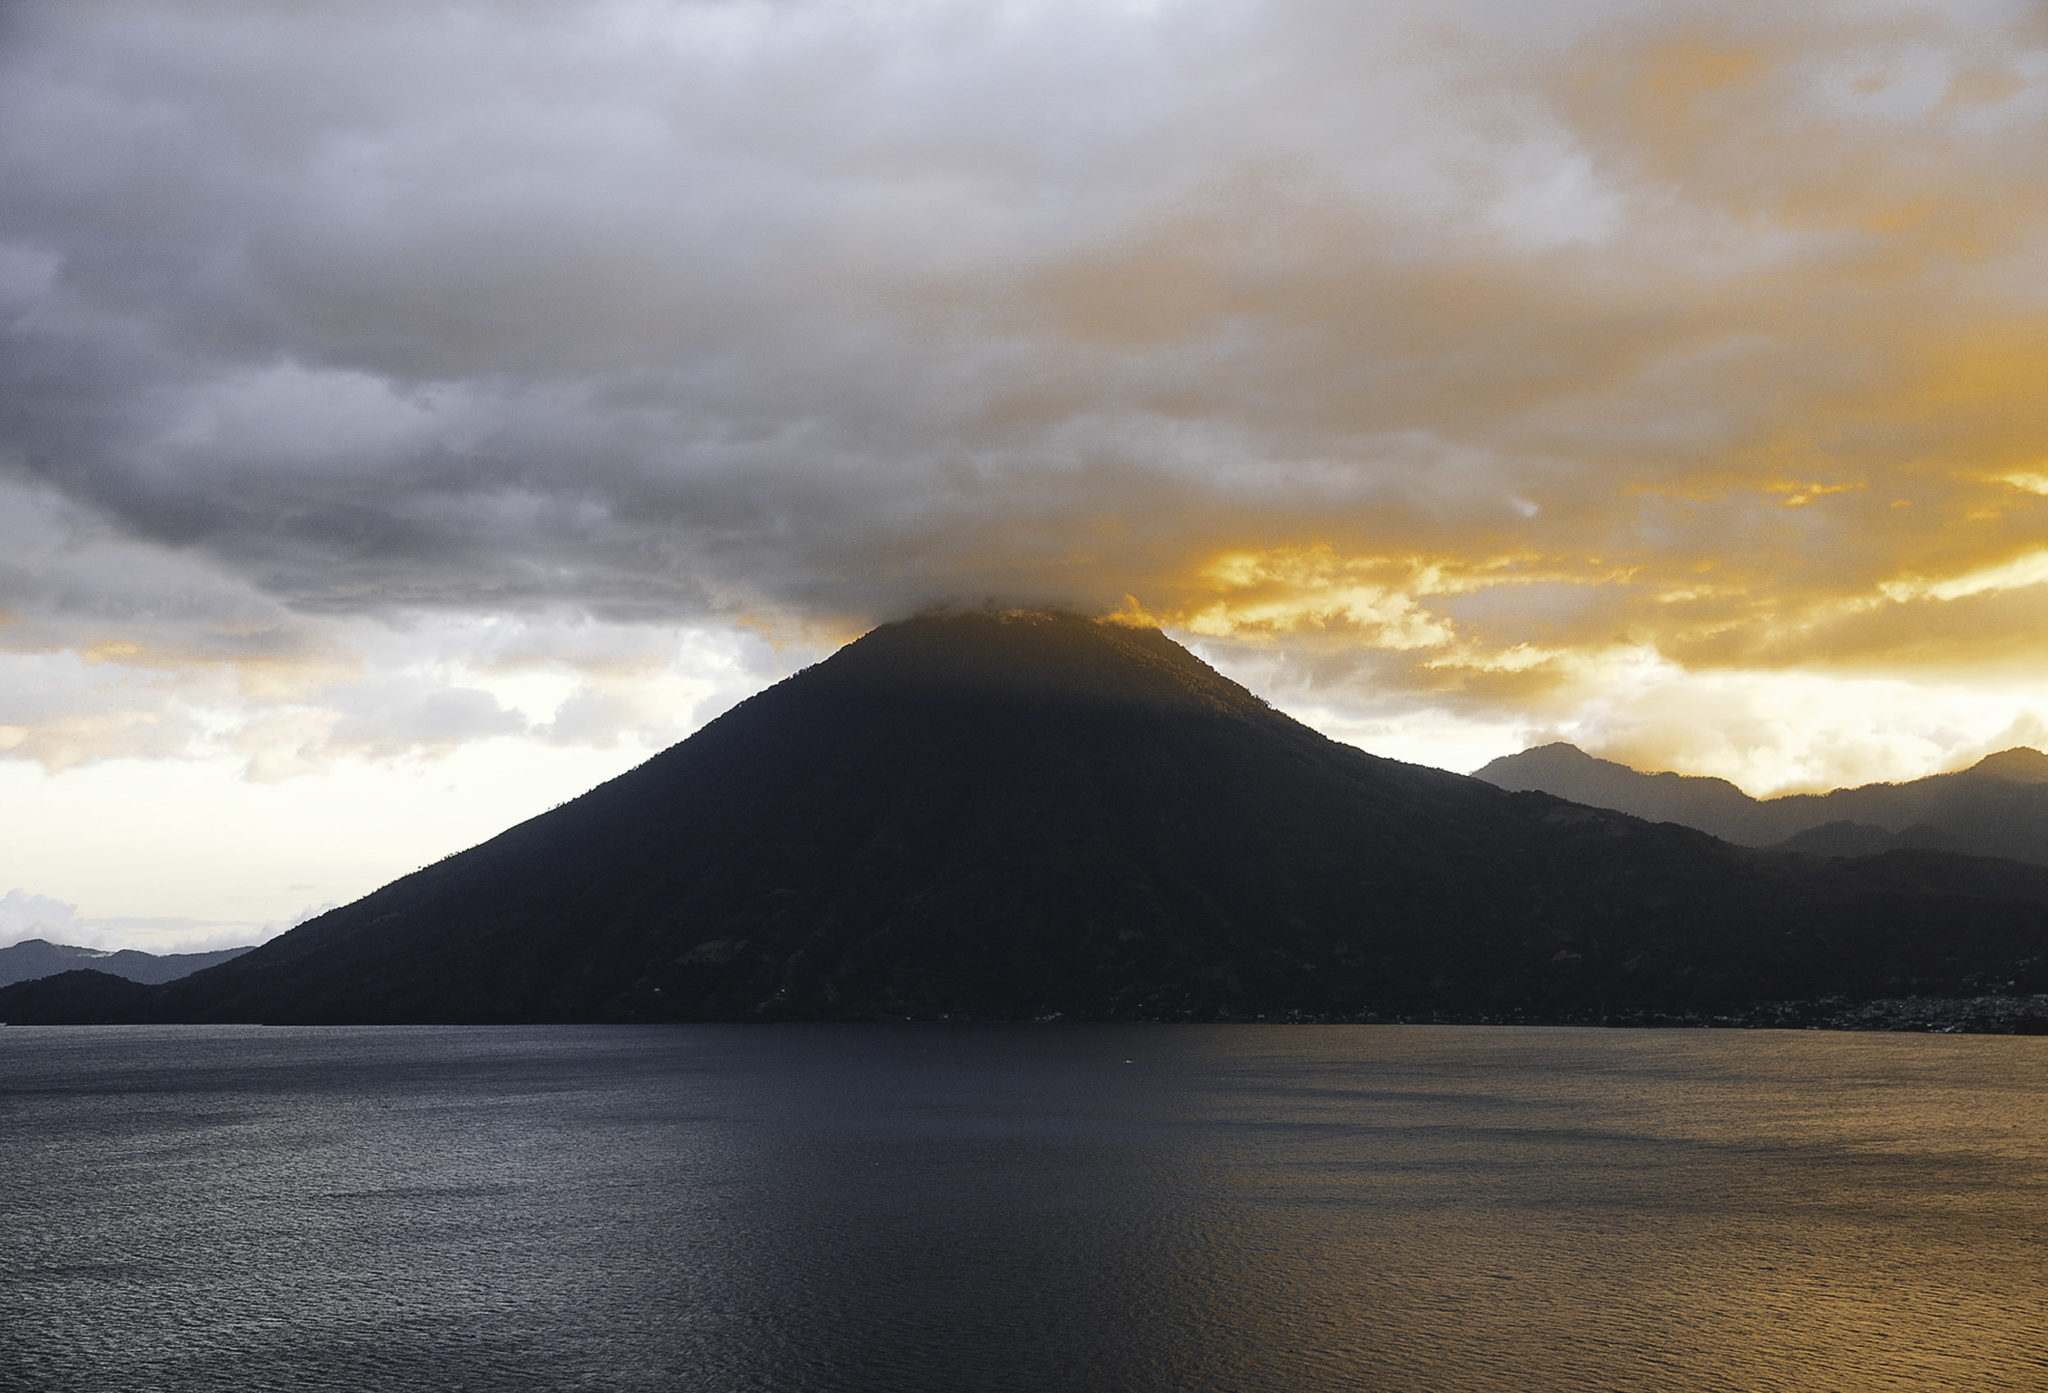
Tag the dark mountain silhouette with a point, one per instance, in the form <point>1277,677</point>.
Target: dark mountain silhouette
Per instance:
<point>35,957</point>
<point>2020,766</point>
<point>1010,816</point>
<point>1565,771</point>
<point>1862,839</point>
<point>1996,807</point>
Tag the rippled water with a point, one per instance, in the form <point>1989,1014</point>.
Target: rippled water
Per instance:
<point>1169,1207</point>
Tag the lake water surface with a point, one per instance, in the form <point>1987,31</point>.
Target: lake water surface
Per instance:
<point>1034,1209</point>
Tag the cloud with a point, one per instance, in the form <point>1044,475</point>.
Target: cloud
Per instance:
<point>24,915</point>
<point>383,378</point>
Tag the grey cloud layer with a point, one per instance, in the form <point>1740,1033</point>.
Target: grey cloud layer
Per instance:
<point>652,312</point>
<point>418,308</point>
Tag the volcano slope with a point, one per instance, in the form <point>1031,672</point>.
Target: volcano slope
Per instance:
<point>1005,816</point>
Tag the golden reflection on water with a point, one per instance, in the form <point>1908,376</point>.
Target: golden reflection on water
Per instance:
<point>1573,1209</point>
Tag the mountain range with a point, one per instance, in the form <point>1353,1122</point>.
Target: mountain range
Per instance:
<point>1996,807</point>
<point>37,957</point>
<point>1021,815</point>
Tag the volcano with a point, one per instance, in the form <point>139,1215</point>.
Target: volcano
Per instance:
<point>1011,816</point>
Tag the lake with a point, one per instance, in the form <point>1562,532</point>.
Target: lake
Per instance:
<point>934,1207</point>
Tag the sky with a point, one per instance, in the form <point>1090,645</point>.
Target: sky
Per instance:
<point>413,413</point>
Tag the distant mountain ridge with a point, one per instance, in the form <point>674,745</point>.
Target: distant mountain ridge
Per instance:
<point>1996,807</point>
<point>37,957</point>
<point>1023,815</point>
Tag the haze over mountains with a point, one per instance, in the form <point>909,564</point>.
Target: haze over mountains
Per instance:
<point>1022,815</point>
<point>1997,807</point>
<point>36,957</point>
